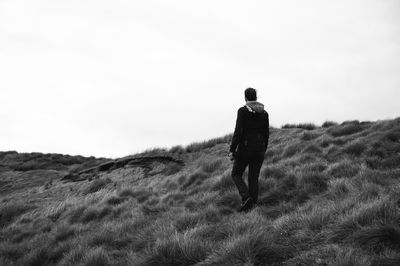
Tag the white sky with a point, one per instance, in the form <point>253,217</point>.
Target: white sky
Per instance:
<point>111,78</point>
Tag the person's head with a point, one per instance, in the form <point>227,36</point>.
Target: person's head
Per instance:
<point>250,94</point>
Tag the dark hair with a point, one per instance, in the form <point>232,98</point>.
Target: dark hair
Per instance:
<point>250,94</point>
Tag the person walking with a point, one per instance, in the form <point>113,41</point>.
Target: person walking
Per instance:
<point>248,147</point>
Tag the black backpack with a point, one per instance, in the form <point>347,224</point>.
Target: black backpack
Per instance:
<point>253,140</point>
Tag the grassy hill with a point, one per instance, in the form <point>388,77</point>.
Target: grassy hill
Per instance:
<point>329,195</point>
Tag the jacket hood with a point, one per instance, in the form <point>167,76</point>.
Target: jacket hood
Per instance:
<point>254,106</point>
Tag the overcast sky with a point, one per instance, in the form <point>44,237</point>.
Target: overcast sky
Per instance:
<point>111,78</point>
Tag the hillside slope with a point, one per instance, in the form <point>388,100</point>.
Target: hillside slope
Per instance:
<point>328,196</point>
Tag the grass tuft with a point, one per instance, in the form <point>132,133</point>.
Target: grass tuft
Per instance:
<point>377,237</point>
<point>276,171</point>
<point>210,165</point>
<point>291,150</point>
<point>178,149</point>
<point>97,257</point>
<point>96,185</point>
<point>250,249</point>
<point>343,168</point>
<point>306,126</point>
<point>115,200</point>
<point>140,195</point>
<point>200,146</point>
<point>345,129</point>
<point>355,148</point>
<point>172,168</point>
<point>312,183</point>
<point>224,182</point>
<point>327,124</point>
<point>10,211</point>
<point>309,135</point>
<point>177,250</point>
<point>64,232</point>
<point>186,222</point>
<point>195,179</point>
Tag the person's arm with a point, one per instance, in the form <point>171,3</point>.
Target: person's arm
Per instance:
<point>238,134</point>
<point>266,132</point>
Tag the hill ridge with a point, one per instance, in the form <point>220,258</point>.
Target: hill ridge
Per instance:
<point>329,195</point>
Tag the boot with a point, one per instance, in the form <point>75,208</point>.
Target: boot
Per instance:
<point>246,205</point>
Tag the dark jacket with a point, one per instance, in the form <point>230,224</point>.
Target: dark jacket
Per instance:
<point>251,130</point>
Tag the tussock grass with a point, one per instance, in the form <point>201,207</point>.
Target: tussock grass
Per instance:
<point>11,251</point>
<point>201,200</point>
<point>109,238</point>
<point>276,171</point>
<point>187,221</point>
<point>173,198</point>
<point>388,259</point>
<point>377,237</point>
<point>64,232</point>
<point>75,215</point>
<point>325,141</point>
<point>327,124</point>
<point>327,196</point>
<point>200,146</point>
<point>379,177</point>
<point>96,185</point>
<point>349,256</point>
<point>94,213</point>
<point>339,188</point>
<point>272,197</point>
<point>313,149</point>
<point>97,257</point>
<point>343,168</point>
<point>211,232</point>
<point>346,128</point>
<point>317,166</point>
<point>153,152</point>
<point>210,165</point>
<point>74,256</point>
<point>224,182</point>
<point>171,185</point>
<point>177,250</point>
<point>292,149</point>
<point>177,149</point>
<point>229,199</point>
<point>195,179</point>
<point>115,200</point>
<point>38,257</point>
<point>50,161</point>
<point>312,183</point>
<point>54,211</point>
<point>255,248</point>
<point>24,235</point>
<point>172,168</point>
<point>393,135</point>
<point>358,219</point>
<point>140,195</point>
<point>306,126</point>
<point>10,211</point>
<point>355,148</point>
<point>381,210</point>
<point>151,210</point>
<point>309,135</point>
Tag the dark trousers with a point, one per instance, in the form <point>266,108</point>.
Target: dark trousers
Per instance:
<point>254,161</point>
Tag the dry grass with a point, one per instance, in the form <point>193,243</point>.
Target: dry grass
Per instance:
<point>327,196</point>
<point>306,126</point>
<point>96,185</point>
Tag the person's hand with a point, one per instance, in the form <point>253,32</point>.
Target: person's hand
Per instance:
<point>232,155</point>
